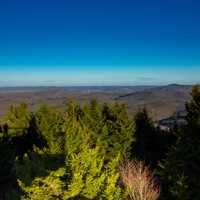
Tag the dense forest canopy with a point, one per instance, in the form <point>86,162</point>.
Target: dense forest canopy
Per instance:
<point>97,151</point>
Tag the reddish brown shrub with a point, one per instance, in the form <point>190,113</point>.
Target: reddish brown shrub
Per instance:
<point>139,180</point>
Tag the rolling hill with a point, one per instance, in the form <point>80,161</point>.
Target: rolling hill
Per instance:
<point>160,101</point>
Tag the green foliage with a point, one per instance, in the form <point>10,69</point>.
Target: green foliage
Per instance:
<point>8,183</point>
<point>38,163</point>
<point>111,127</point>
<point>50,187</point>
<point>73,155</point>
<point>193,109</point>
<point>179,189</point>
<point>91,139</point>
<point>48,122</point>
<point>146,147</point>
<point>92,146</point>
<point>151,143</point>
<point>91,177</point>
<point>18,119</point>
<point>48,154</point>
<point>180,171</point>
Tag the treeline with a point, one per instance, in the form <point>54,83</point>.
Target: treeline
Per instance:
<point>96,151</point>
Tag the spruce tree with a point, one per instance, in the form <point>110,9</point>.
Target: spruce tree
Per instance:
<point>180,172</point>
<point>145,148</point>
<point>49,126</point>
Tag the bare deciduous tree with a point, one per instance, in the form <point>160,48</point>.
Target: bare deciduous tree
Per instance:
<point>139,180</point>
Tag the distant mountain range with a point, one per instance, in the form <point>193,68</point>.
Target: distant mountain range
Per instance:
<point>160,101</point>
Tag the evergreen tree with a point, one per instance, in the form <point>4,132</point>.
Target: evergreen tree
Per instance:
<point>146,147</point>
<point>88,172</point>
<point>69,156</point>
<point>8,180</point>
<point>17,120</point>
<point>49,125</point>
<point>18,138</point>
<point>91,177</point>
<point>180,172</point>
<point>50,187</point>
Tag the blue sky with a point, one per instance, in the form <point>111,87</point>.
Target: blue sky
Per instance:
<point>99,42</point>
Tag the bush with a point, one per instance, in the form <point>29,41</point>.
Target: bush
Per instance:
<point>139,181</point>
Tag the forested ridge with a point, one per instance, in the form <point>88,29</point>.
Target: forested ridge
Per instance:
<point>97,151</point>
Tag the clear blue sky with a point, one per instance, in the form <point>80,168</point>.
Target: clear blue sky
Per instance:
<point>99,42</point>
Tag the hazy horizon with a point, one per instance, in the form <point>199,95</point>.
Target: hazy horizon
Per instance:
<point>98,86</point>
